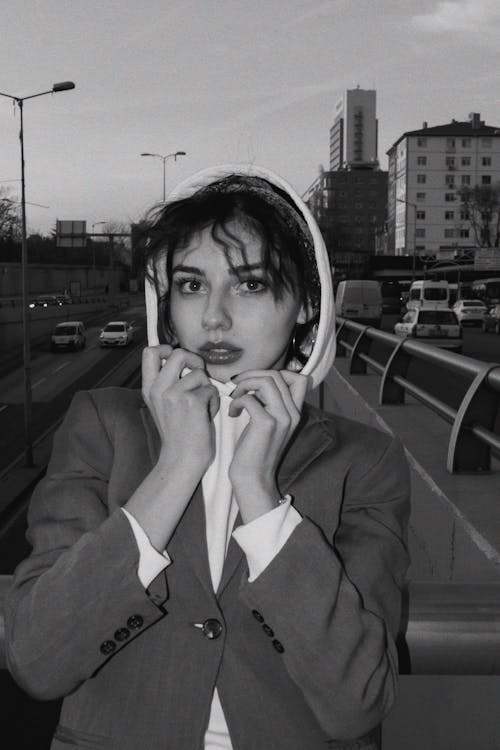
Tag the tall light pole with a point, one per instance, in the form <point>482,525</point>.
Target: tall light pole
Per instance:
<point>19,100</point>
<point>95,224</point>
<point>164,159</point>
<point>414,206</point>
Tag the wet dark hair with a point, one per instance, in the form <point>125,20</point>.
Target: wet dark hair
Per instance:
<point>288,256</point>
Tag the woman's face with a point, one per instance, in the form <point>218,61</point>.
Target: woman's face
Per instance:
<point>226,312</point>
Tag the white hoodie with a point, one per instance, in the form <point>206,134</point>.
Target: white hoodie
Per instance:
<point>261,539</point>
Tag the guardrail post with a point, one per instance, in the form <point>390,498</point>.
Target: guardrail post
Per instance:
<point>362,345</point>
<point>391,392</point>
<point>480,406</point>
<point>341,350</point>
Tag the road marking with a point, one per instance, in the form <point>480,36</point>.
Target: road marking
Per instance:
<point>39,382</point>
<point>64,364</point>
<point>5,406</point>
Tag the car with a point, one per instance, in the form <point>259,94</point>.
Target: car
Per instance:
<point>45,300</point>
<point>436,326</point>
<point>470,312</point>
<point>116,333</point>
<point>359,300</point>
<point>491,320</point>
<point>68,335</point>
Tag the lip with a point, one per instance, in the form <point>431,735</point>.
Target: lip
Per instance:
<point>220,354</point>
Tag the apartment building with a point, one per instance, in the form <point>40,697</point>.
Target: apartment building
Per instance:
<point>427,168</point>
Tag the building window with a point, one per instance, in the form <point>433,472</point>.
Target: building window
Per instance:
<point>486,179</point>
<point>486,142</point>
<point>449,215</point>
<point>465,179</point>
<point>419,248</point>
<point>357,219</point>
<point>486,161</point>
<point>449,197</point>
<point>449,233</point>
<point>421,142</point>
<point>421,179</point>
<point>358,205</point>
<point>421,196</point>
<point>450,162</point>
<point>466,142</point>
<point>449,180</point>
<point>421,161</point>
<point>464,215</point>
<point>466,161</point>
<point>450,143</point>
<point>464,233</point>
<point>420,232</point>
<point>421,215</point>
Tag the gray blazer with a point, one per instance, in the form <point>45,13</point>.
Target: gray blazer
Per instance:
<point>303,657</point>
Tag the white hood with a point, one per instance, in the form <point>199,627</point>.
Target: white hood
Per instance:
<point>323,352</point>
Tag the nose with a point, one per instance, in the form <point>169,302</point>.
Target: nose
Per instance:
<point>216,315</point>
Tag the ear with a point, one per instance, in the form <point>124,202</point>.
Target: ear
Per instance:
<point>305,314</point>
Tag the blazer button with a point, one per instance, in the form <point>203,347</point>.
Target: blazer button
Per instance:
<point>135,622</point>
<point>122,634</point>
<point>278,646</point>
<point>212,628</point>
<point>107,647</point>
<point>257,615</point>
<point>267,630</point>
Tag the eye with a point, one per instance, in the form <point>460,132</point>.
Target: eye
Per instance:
<point>253,285</point>
<point>188,286</point>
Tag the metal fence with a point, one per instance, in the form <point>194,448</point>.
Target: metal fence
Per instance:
<point>475,432</point>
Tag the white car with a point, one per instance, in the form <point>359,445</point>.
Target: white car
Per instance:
<point>436,326</point>
<point>68,335</point>
<point>116,333</point>
<point>470,311</point>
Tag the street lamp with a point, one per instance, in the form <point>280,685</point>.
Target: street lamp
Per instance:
<point>95,224</point>
<point>414,206</point>
<point>164,159</point>
<point>19,100</point>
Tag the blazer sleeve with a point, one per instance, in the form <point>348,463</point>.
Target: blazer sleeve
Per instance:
<point>80,584</point>
<point>334,605</point>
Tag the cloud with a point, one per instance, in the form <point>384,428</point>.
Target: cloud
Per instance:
<point>328,8</point>
<point>469,16</point>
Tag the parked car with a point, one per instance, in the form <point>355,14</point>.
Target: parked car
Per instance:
<point>424,293</point>
<point>116,333</point>
<point>68,335</point>
<point>491,320</point>
<point>469,311</point>
<point>436,326</point>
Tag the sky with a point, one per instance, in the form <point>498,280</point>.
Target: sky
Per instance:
<point>225,81</point>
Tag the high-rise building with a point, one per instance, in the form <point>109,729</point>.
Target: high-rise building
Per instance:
<point>427,170</point>
<point>353,135</point>
<point>349,201</point>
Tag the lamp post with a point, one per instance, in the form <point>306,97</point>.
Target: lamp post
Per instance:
<point>19,100</point>
<point>164,159</point>
<point>95,224</point>
<point>414,206</point>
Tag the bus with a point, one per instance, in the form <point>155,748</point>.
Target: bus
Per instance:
<point>487,290</point>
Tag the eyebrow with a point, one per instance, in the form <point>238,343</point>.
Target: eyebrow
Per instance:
<point>233,270</point>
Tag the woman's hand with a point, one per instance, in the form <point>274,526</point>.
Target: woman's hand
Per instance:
<point>182,407</point>
<point>273,400</point>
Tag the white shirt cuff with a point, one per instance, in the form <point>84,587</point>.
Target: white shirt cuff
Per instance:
<point>151,562</point>
<point>262,539</point>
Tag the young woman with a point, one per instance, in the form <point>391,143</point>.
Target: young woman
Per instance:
<point>218,564</point>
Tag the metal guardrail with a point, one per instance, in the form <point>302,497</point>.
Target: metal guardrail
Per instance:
<point>475,432</point>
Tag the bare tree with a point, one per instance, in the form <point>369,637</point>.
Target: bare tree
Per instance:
<point>9,216</point>
<point>480,206</point>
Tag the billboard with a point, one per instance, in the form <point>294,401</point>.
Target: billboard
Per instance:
<point>71,233</point>
<point>487,259</point>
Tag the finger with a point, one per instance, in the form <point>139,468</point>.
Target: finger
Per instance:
<point>297,384</point>
<point>151,364</point>
<point>271,388</point>
<point>255,409</point>
<point>210,397</point>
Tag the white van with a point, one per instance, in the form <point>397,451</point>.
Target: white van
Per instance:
<point>359,300</point>
<point>428,294</point>
<point>68,335</point>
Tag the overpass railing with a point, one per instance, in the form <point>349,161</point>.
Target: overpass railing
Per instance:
<point>475,432</point>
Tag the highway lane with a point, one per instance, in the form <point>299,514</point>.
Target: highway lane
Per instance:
<point>55,377</point>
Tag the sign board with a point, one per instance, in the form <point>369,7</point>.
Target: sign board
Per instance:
<point>71,233</point>
<point>487,259</point>
<point>446,253</point>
